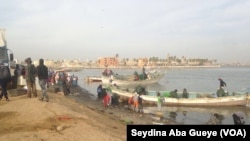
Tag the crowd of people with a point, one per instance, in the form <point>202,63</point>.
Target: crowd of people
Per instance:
<point>64,79</point>
<point>30,73</point>
<point>58,78</point>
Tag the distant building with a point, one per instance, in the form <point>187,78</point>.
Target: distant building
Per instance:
<point>142,62</point>
<point>108,61</point>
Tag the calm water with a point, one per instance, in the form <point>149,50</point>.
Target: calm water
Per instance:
<point>194,80</point>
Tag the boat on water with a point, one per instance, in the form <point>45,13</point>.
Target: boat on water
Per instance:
<point>129,80</point>
<point>236,100</point>
<point>93,79</point>
<point>67,69</point>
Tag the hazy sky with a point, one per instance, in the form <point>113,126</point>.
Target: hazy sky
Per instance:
<point>88,29</point>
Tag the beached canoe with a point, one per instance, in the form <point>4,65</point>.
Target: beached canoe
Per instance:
<point>128,80</point>
<point>93,79</point>
<point>237,100</point>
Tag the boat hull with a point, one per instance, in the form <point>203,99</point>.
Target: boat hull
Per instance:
<point>240,100</point>
<point>93,79</point>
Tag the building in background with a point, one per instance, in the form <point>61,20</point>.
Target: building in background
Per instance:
<point>108,61</point>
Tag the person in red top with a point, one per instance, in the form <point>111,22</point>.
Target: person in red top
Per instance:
<point>106,99</point>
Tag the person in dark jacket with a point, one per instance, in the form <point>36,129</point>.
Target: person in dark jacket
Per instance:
<point>173,94</point>
<point>140,105</point>
<point>99,91</point>
<point>222,83</point>
<point>185,93</point>
<point>5,78</point>
<point>42,74</point>
<point>65,84</point>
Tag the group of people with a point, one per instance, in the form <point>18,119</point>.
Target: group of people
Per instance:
<point>172,94</point>
<point>29,73</point>
<point>64,79</point>
<point>136,102</point>
<point>142,76</point>
<point>112,99</point>
<point>41,71</point>
<point>59,76</point>
<point>107,72</point>
<point>109,98</point>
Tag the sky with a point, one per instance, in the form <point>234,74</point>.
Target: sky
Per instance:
<point>89,29</point>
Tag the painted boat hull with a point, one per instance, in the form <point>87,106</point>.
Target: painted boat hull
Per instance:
<point>239,100</point>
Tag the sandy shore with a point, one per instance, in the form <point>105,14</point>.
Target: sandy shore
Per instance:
<point>74,118</point>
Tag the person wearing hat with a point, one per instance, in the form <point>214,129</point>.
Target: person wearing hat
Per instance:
<point>30,76</point>
<point>43,75</point>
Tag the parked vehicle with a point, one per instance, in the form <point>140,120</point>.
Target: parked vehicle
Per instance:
<point>7,59</point>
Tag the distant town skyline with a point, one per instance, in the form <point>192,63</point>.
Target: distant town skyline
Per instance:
<point>76,29</point>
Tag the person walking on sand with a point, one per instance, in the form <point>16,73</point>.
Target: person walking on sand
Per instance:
<point>43,75</point>
<point>30,76</point>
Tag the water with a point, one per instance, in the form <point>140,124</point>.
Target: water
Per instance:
<point>194,80</point>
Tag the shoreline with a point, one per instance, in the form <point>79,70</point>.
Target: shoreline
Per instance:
<point>74,117</point>
<point>77,68</point>
<point>121,113</point>
<point>78,116</point>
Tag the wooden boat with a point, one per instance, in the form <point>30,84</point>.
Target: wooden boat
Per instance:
<point>93,78</point>
<point>237,100</point>
<point>121,80</point>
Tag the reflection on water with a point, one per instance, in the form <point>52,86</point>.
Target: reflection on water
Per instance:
<point>172,115</point>
<point>202,115</point>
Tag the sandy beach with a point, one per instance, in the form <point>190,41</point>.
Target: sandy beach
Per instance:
<point>64,118</point>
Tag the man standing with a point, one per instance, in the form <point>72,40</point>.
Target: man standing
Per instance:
<point>30,76</point>
<point>5,78</point>
<point>42,74</point>
<point>160,101</point>
<point>140,105</point>
<point>222,83</point>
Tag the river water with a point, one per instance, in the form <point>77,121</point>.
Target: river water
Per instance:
<point>194,80</point>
